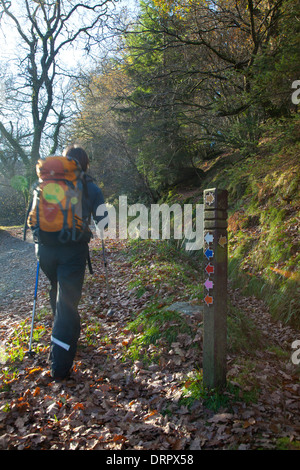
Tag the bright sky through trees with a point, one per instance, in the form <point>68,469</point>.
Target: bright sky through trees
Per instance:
<point>45,47</point>
<point>9,38</point>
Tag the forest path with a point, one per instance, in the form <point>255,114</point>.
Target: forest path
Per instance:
<point>18,265</point>
<point>114,402</point>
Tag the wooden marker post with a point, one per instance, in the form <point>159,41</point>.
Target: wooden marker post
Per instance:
<point>215,288</point>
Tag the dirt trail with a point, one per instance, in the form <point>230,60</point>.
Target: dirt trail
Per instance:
<point>115,403</point>
<point>18,265</point>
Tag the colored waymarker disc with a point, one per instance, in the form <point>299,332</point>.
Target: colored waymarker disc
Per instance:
<point>208,300</point>
<point>210,269</point>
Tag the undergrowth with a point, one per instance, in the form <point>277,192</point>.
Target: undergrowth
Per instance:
<point>194,390</point>
<point>155,326</point>
<point>242,333</point>
<point>263,222</point>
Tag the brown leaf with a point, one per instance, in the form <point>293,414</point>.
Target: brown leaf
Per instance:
<point>221,418</point>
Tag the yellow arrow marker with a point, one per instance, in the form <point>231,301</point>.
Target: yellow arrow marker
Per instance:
<point>222,241</point>
<point>209,198</point>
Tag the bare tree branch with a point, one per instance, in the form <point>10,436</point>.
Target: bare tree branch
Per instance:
<point>47,29</point>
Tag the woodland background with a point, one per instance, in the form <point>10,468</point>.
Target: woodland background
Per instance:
<point>169,98</point>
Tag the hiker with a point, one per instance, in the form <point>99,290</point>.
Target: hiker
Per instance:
<point>63,259</point>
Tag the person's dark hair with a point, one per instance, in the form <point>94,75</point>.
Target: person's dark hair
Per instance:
<point>76,152</point>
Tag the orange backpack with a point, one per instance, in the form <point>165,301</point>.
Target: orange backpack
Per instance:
<point>57,202</point>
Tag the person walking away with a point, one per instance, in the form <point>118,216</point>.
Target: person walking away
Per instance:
<point>63,259</point>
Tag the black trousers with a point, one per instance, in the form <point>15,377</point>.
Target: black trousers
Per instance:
<point>64,266</point>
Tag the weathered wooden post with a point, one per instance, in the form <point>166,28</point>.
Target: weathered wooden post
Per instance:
<point>215,288</point>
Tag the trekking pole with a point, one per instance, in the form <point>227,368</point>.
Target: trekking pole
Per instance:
<point>30,353</point>
<point>110,311</point>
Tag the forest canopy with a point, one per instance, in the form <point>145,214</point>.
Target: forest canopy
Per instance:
<point>182,83</point>
<point>191,80</point>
